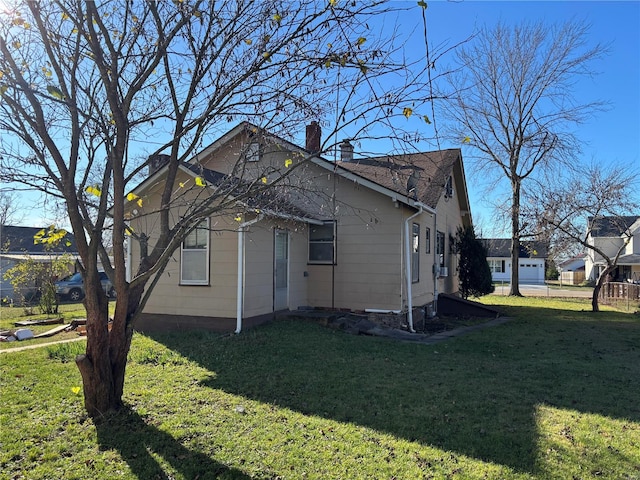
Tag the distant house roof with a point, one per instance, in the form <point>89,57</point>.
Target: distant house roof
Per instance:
<point>631,259</point>
<point>577,259</point>
<point>19,240</point>
<point>422,176</point>
<point>501,247</point>
<point>611,226</point>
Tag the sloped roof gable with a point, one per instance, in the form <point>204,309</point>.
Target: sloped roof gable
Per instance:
<point>267,201</point>
<point>611,226</point>
<point>422,176</point>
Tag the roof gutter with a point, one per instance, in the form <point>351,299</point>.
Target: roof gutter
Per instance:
<point>240,290</point>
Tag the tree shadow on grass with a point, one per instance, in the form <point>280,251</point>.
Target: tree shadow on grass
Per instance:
<point>478,395</point>
<point>137,442</point>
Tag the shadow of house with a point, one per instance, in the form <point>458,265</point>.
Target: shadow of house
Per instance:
<point>478,395</point>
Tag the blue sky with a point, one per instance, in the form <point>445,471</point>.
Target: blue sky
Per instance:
<point>611,136</point>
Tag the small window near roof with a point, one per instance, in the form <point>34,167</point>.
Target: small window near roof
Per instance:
<point>448,188</point>
<point>253,152</point>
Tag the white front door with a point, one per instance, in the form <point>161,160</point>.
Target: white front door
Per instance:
<point>281,270</point>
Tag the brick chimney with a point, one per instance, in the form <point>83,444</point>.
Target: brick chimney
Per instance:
<point>313,137</point>
<point>346,151</point>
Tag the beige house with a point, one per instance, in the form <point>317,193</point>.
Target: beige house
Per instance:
<point>361,234</point>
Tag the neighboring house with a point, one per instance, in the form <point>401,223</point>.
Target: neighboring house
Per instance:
<point>572,270</point>
<point>17,244</point>
<point>610,235</point>
<point>531,268</point>
<point>370,234</point>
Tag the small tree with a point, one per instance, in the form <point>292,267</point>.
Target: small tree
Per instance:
<point>32,279</point>
<point>473,268</point>
<point>22,277</point>
<point>569,210</point>
<point>551,271</point>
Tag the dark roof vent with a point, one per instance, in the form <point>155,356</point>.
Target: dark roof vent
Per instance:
<point>156,162</point>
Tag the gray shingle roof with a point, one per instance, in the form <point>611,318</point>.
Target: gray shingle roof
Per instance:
<point>268,200</point>
<point>16,240</point>
<point>418,175</point>
<point>611,226</point>
<point>501,247</point>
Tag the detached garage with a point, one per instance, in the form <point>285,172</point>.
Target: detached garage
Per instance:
<point>533,256</point>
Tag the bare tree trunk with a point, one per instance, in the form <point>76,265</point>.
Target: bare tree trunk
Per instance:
<point>595,306</point>
<point>514,289</point>
<point>103,366</point>
<point>94,365</point>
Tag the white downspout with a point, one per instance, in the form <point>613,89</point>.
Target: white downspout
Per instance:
<point>129,259</point>
<point>240,292</point>
<point>407,256</point>
<point>436,266</point>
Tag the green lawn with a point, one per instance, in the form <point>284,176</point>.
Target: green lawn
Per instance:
<point>554,393</point>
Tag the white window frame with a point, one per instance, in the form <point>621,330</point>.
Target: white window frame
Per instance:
<point>253,152</point>
<point>415,253</point>
<point>440,247</point>
<point>323,242</point>
<point>201,232</point>
<point>497,266</point>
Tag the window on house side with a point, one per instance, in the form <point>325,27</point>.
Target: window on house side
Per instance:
<point>253,152</point>
<point>427,239</point>
<point>415,254</point>
<point>440,247</point>
<point>194,264</point>
<point>496,266</point>
<point>322,244</point>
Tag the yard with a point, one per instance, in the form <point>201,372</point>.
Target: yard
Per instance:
<point>554,393</point>
<point>67,312</point>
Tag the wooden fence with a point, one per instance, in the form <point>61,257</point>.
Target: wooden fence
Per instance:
<point>572,278</point>
<point>621,294</point>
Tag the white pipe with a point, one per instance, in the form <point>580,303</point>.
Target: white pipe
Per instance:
<point>407,240</point>
<point>436,266</point>
<point>240,290</point>
<point>382,310</point>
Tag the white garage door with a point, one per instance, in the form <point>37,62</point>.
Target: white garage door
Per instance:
<point>531,272</point>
